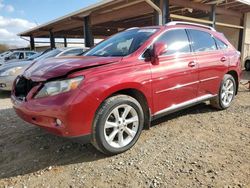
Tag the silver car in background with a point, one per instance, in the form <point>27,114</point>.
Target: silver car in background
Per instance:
<point>16,55</point>
<point>4,54</point>
<point>9,71</point>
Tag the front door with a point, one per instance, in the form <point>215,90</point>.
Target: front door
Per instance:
<point>175,79</point>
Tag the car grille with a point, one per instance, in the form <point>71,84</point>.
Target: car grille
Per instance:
<point>23,86</point>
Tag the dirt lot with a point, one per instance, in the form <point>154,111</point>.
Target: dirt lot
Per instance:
<point>197,147</point>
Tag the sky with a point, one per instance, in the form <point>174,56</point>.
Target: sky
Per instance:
<point>19,15</point>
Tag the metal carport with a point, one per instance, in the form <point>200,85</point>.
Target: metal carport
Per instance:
<point>110,16</point>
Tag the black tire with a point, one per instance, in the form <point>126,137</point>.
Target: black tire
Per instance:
<point>104,113</point>
<point>217,102</point>
<point>247,65</point>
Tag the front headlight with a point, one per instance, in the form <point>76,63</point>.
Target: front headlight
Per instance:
<point>12,72</point>
<point>61,86</point>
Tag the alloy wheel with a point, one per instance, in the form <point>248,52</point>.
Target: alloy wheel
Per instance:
<point>121,126</point>
<point>227,92</point>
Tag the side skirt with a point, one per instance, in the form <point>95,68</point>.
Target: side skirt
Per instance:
<point>181,106</point>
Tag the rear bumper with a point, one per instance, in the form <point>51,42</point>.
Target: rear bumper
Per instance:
<point>6,82</point>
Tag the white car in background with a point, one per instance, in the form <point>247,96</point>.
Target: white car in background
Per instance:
<point>16,55</point>
<point>9,71</point>
<point>4,53</point>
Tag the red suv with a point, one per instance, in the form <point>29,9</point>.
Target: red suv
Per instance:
<point>118,87</point>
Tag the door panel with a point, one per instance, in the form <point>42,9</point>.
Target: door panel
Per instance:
<point>174,81</point>
<point>211,71</point>
<point>212,61</point>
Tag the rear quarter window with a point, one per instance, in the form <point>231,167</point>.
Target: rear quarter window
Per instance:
<point>220,44</point>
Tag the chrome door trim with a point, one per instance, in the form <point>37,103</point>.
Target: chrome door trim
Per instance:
<point>187,84</point>
<point>208,79</point>
<point>177,87</point>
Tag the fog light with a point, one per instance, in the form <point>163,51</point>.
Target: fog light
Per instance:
<point>58,122</point>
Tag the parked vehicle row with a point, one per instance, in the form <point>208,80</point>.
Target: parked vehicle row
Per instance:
<point>110,94</point>
<point>15,55</point>
<point>9,71</point>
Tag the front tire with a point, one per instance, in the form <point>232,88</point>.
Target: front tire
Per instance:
<point>118,124</point>
<point>226,93</point>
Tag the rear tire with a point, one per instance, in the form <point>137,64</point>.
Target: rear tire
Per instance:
<point>117,125</point>
<point>226,93</point>
<point>247,65</point>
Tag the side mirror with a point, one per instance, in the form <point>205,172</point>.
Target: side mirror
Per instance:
<point>158,49</point>
<point>7,58</point>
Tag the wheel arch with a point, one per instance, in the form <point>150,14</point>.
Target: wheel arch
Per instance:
<point>235,75</point>
<point>139,96</point>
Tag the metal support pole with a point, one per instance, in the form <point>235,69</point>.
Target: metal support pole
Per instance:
<point>165,12</point>
<point>213,15</point>
<point>88,36</point>
<point>32,43</point>
<point>65,42</point>
<point>52,40</point>
<point>241,32</point>
<point>155,7</point>
<point>156,14</point>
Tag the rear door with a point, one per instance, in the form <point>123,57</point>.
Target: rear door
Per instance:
<point>175,79</point>
<point>211,61</point>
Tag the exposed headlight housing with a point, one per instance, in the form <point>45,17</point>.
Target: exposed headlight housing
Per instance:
<point>61,86</point>
<point>12,71</point>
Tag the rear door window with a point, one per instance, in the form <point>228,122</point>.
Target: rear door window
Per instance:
<point>176,40</point>
<point>202,41</point>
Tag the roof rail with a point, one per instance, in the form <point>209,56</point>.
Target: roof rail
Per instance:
<point>132,28</point>
<point>190,23</point>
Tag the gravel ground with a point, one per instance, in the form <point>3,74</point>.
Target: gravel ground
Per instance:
<point>197,147</point>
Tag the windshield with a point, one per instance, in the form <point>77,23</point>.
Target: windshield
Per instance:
<point>49,54</point>
<point>122,44</point>
<point>3,54</point>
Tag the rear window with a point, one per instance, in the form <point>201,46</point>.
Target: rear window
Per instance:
<point>202,41</point>
<point>28,54</point>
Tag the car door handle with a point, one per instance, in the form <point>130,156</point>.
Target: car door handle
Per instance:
<point>192,64</point>
<point>223,59</point>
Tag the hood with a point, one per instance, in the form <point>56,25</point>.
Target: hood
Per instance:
<point>57,67</point>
